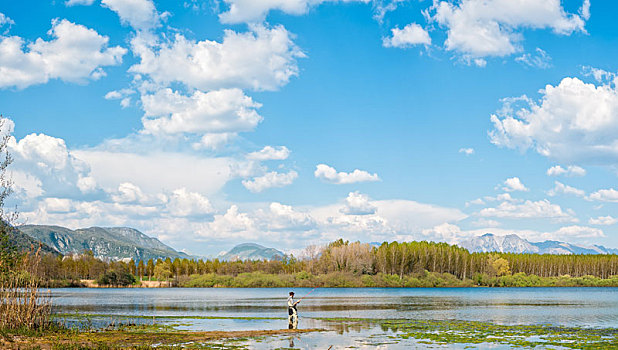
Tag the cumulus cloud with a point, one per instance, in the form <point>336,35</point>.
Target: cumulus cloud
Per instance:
<point>255,11</point>
<point>219,111</point>
<point>605,195</point>
<point>75,54</point>
<point>270,153</point>
<point>4,20</point>
<point>185,203</point>
<point>467,151</point>
<point>270,180</point>
<point>44,164</point>
<point>527,209</point>
<point>329,174</point>
<point>573,121</point>
<point>579,232</point>
<point>78,2</point>
<point>514,184</point>
<point>285,217</point>
<point>260,59</point>
<point>479,28</point>
<point>410,35</point>
<point>214,141</point>
<point>124,95</point>
<point>603,220</point>
<point>358,204</point>
<point>139,14</point>
<point>540,60</point>
<point>111,168</point>
<point>571,170</point>
<point>561,188</point>
<point>231,224</point>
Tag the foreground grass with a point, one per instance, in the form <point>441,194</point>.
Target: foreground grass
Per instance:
<point>135,337</point>
<point>472,332</point>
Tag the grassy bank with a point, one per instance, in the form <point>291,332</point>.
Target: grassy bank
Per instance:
<point>427,333</point>
<point>425,279</point>
<point>135,337</point>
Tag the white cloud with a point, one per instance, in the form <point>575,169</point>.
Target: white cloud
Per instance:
<point>123,95</point>
<point>514,184</point>
<point>479,28</point>
<point>139,14</point>
<point>74,54</point>
<point>571,170</point>
<point>467,151</point>
<point>270,180</point>
<point>541,60</point>
<point>573,121</point>
<point>329,174</point>
<point>44,164</point>
<point>482,222</point>
<point>219,111</point>
<point>270,153</point>
<point>410,35</point>
<point>151,171</point>
<point>358,204</point>
<point>579,232</point>
<point>4,19</point>
<point>284,217</point>
<point>78,2</point>
<point>232,224</point>
<point>185,203</point>
<point>605,195</point>
<point>129,193</point>
<point>527,209</point>
<point>478,201</point>
<point>561,188</point>
<point>214,141</point>
<point>256,10</point>
<point>261,59</point>
<point>57,205</point>
<point>603,220</point>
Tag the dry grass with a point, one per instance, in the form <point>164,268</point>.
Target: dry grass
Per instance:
<point>22,304</point>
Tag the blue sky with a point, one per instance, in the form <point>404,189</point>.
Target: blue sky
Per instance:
<point>296,122</point>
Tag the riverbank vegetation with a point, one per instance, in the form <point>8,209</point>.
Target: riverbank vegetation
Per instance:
<point>345,264</point>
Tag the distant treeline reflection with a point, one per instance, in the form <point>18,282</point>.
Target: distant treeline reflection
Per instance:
<point>345,264</point>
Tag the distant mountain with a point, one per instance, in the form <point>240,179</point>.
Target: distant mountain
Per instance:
<point>515,244</point>
<point>251,251</point>
<point>108,243</point>
<point>23,243</point>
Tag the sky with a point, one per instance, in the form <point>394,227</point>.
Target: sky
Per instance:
<point>208,123</point>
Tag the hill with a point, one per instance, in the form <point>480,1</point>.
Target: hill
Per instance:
<point>107,243</point>
<point>251,251</point>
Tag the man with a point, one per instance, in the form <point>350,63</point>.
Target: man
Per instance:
<point>292,312</point>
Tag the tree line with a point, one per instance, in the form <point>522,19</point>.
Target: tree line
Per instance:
<point>354,258</point>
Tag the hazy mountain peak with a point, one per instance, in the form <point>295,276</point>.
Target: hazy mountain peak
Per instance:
<point>251,251</point>
<point>512,243</point>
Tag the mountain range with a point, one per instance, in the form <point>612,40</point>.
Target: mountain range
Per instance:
<point>515,244</point>
<point>108,243</point>
<point>251,251</point>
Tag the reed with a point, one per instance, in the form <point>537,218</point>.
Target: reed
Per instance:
<point>22,304</point>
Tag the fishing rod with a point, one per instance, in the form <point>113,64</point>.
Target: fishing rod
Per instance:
<point>311,291</point>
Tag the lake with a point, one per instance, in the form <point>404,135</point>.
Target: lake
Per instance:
<point>237,309</point>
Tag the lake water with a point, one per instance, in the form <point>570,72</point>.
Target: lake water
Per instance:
<point>233,309</point>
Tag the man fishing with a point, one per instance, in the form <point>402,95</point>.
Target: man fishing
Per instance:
<point>292,312</point>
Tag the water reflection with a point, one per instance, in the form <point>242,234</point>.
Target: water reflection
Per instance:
<point>588,307</point>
